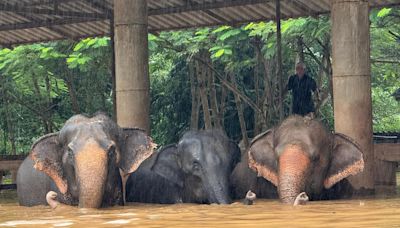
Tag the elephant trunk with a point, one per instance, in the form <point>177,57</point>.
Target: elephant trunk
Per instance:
<point>293,167</point>
<point>91,170</point>
<point>218,189</point>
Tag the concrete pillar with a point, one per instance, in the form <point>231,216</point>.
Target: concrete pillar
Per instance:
<point>131,63</point>
<point>352,80</point>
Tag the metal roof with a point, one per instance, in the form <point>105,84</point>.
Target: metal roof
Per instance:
<point>29,21</point>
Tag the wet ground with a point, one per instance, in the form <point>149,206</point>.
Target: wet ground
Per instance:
<point>340,213</point>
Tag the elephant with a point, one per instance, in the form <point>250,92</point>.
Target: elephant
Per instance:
<point>86,163</point>
<point>196,170</point>
<point>243,179</point>
<point>301,155</point>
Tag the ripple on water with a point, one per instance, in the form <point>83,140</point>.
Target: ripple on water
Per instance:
<point>37,222</point>
<point>342,213</point>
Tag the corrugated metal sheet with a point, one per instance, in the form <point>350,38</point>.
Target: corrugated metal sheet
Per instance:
<point>29,21</point>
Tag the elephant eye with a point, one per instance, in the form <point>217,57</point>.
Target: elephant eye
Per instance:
<point>70,152</point>
<point>111,150</point>
<point>315,158</point>
<point>196,166</point>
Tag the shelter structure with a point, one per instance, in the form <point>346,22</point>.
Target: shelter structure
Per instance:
<point>29,21</point>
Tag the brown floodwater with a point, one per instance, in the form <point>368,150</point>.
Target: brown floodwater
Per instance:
<point>339,213</point>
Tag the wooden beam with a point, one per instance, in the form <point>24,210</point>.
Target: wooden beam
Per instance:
<point>100,5</point>
<point>46,23</point>
<point>216,16</point>
<point>48,2</point>
<point>54,29</point>
<point>204,6</point>
<point>17,8</point>
<point>387,151</point>
<point>10,165</point>
<point>10,45</point>
<point>303,7</point>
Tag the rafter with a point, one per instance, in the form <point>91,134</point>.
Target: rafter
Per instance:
<point>47,2</point>
<point>18,8</point>
<point>216,16</point>
<point>54,29</point>
<point>204,6</point>
<point>100,5</point>
<point>303,7</point>
<point>45,23</point>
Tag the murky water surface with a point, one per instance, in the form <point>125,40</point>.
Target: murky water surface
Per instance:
<point>341,213</point>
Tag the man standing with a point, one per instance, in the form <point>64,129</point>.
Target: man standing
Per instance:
<point>301,86</point>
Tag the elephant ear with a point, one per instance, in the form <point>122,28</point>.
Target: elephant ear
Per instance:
<point>347,159</point>
<point>166,165</point>
<point>262,157</point>
<point>46,154</point>
<point>135,147</point>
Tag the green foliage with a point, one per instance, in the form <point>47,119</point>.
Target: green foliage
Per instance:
<point>386,111</point>
<point>385,55</point>
<point>35,92</point>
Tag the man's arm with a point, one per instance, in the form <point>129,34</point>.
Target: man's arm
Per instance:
<point>287,87</point>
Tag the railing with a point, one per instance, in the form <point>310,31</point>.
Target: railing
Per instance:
<point>10,163</point>
<point>387,157</point>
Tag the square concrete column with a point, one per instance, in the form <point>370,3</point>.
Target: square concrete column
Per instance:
<point>352,80</point>
<point>131,63</point>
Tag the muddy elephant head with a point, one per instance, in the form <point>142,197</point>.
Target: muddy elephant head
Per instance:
<point>85,159</point>
<point>200,164</point>
<point>300,155</point>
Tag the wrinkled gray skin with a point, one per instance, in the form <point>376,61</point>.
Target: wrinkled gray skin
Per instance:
<point>82,163</point>
<point>194,171</point>
<point>300,155</point>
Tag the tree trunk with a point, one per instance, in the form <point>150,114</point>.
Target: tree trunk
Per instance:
<point>239,108</point>
<point>38,95</point>
<point>10,128</point>
<point>259,117</point>
<point>222,104</point>
<point>8,125</point>
<point>213,98</point>
<point>300,50</point>
<point>112,44</point>
<point>267,98</point>
<point>202,76</point>
<point>71,92</point>
<point>194,119</point>
<point>279,58</point>
<point>49,105</point>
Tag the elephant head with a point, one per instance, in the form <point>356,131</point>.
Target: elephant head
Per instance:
<point>85,158</point>
<point>200,164</point>
<point>300,155</point>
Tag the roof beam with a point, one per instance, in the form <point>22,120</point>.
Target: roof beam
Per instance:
<point>101,5</point>
<point>46,23</point>
<point>204,6</point>
<point>54,29</point>
<point>18,8</point>
<point>303,7</point>
<point>216,16</point>
<point>48,2</point>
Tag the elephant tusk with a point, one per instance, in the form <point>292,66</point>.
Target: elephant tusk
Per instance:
<point>51,199</point>
<point>301,199</point>
<point>250,197</point>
